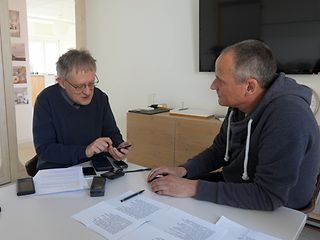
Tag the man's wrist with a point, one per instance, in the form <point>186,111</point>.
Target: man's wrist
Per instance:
<point>88,153</point>
<point>194,187</point>
<point>182,171</point>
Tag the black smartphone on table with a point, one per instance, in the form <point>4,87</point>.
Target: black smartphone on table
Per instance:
<point>88,171</point>
<point>113,174</point>
<point>101,162</point>
<point>120,164</point>
<point>97,187</point>
<point>25,186</point>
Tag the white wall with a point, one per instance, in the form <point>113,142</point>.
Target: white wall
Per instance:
<point>150,47</point>
<point>23,111</point>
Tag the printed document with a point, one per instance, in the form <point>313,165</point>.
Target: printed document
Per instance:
<point>143,218</point>
<point>237,231</point>
<point>59,180</point>
<point>178,225</point>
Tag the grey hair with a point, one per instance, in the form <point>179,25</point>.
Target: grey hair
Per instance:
<point>80,60</point>
<point>253,59</point>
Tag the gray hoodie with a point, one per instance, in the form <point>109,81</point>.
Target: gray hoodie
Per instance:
<point>270,158</point>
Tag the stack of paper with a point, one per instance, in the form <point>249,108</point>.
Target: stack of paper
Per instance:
<point>237,231</point>
<point>192,112</point>
<point>59,180</point>
<point>144,219</point>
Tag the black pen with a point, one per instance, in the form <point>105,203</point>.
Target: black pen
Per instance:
<point>138,170</point>
<point>131,196</point>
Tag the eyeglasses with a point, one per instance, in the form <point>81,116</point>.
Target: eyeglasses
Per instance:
<point>80,88</point>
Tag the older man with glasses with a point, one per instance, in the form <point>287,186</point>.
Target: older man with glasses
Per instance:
<point>73,119</point>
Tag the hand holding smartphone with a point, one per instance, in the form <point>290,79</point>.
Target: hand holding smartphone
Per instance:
<point>123,147</point>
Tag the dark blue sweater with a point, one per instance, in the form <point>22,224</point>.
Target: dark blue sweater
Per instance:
<point>61,131</point>
<point>283,154</point>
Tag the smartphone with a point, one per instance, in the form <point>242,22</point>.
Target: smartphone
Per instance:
<point>25,186</point>
<point>120,164</point>
<point>97,187</point>
<point>88,171</point>
<point>113,174</point>
<point>125,147</point>
<point>101,162</point>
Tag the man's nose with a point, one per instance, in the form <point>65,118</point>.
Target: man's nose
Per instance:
<point>213,85</point>
<point>87,90</point>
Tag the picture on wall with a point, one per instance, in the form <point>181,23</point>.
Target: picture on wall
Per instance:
<point>19,74</point>
<point>21,95</point>
<point>14,23</point>
<point>18,52</point>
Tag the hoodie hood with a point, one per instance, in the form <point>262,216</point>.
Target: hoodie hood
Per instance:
<point>282,86</point>
<point>240,126</point>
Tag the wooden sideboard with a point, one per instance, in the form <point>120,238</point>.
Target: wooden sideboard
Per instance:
<point>164,139</point>
<point>38,84</point>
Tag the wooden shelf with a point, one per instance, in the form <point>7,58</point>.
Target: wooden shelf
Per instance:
<point>38,84</point>
<point>164,139</point>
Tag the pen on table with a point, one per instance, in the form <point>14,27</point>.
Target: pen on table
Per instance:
<point>131,196</point>
<point>137,170</point>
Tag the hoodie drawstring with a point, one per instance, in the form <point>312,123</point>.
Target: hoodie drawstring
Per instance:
<point>246,156</point>
<point>226,156</point>
<point>245,162</point>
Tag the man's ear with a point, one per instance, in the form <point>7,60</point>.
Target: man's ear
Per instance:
<point>61,82</point>
<point>252,85</point>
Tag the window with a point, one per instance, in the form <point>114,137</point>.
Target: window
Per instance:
<point>43,56</point>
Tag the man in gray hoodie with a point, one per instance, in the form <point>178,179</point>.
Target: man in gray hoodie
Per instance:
<point>268,145</point>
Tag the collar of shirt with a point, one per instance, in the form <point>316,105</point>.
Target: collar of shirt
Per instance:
<point>68,99</point>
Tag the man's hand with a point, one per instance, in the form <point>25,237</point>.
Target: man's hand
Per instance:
<point>99,145</point>
<point>174,186</point>
<point>119,154</point>
<point>168,181</point>
<point>164,170</point>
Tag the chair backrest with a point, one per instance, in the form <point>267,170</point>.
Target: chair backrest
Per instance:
<point>311,206</point>
<point>31,166</point>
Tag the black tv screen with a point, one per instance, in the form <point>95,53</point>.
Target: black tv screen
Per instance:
<point>290,27</point>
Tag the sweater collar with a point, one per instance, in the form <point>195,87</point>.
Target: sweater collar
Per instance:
<point>68,99</point>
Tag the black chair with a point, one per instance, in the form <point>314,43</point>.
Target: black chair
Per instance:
<point>31,166</point>
<point>311,206</point>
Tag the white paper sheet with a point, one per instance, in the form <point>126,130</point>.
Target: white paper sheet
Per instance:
<point>181,225</point>
<point>237,231</point>
<point>59,180</point>
<point>137,218</point>
<point>114,219</point>
<point>139,206</point>
<point>148,232</point>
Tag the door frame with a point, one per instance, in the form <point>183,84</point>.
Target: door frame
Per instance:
<point>8,135</point>
<point>80,18</point>
<point>10,166</point>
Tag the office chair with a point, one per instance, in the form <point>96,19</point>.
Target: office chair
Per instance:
<point>310,207</point>
<point>31,166</point>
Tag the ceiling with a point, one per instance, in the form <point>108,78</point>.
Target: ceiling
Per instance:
<point>63,10</point>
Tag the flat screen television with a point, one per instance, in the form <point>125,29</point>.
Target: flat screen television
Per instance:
<point>290,27</point>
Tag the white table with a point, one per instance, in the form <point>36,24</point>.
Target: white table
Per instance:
<point>49,216</point>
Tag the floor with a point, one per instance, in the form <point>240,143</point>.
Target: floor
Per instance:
<point>25,151</point>
<point>309,233</point>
